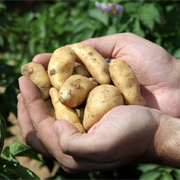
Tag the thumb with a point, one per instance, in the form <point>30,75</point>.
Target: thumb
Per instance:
<point>60,125</point>
<point>68,134</point>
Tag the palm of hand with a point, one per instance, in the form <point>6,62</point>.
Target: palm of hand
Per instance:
<point>156,70</point>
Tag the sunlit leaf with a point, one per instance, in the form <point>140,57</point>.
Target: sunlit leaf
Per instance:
<point>166,176</point>
<point>177,53</point>
<point>147,167</point>
<point>21,172</point>
<point>20,149</point>
<point>152,175</point>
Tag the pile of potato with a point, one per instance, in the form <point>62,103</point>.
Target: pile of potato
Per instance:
<point>82,94</point>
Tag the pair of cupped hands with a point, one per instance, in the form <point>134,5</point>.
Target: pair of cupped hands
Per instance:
<point>126,134</point>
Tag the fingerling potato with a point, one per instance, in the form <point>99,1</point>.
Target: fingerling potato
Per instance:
<point>100,100</point>
<point>94,62</point>
<point>124,78</point>
<point>64,112</point>
<point>37,73</point>
<point>61,66</point>
<point>75,90</point>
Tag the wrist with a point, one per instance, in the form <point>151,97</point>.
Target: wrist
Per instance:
<point>165,147</point>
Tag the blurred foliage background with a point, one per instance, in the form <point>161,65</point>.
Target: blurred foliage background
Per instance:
<point>30,27</point>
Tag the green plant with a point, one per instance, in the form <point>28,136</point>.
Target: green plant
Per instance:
<point>10,168</point>
<point>50,25</point>
<point>156,172</point>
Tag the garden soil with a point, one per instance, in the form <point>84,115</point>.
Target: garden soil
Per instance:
<point>42,171</point>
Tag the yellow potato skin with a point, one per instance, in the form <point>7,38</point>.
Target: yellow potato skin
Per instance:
<point>64,112</point>
<point>61,66</point>
<point>81,70</point>
<point>94,62</point>
<point>101,99</point>
<point>75,90</point>
<point>80,112</point>
<point>36,72</point>
<point>124,78</point>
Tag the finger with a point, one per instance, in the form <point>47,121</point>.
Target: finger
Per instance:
<point>40,117</point>
<point>82,160</point>
<point>29,135</point>
<point>105,45</point>
<point>33,101</point>
<point>79,166</point>
<point>79,145</point>
<point>43,59</point>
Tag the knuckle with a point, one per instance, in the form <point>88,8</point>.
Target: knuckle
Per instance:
<point>67,170</point>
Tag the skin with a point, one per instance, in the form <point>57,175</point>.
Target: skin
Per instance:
<point>124,78</point>
<point>126,134</point>
<point>81,70</point>
<point>100,100</point>
<point>64,112</point>
<point>94,62</point>
<point>75,90</point>
<point>37,73</point>
<point>61,66</point>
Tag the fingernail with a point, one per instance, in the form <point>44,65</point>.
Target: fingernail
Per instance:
<point>57,127</point>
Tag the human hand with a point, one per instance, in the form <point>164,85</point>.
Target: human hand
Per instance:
<point>122,136</point>
<point>157,71</point>
<point>35,121</point>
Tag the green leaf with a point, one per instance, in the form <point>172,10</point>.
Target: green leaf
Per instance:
<point>26,19</point>
<point>131,7</point>
<point>150,175</point>
<point>11,98</point>
<point>82,25</point>
<point>4,175</point>
<point>2,132</point>
<point>155,13</point>
<point>166,176</point>
<point>137,28</point>
<point>111,30</point>
<point>8,156</point>
<point>177,53</point>
<point>98,15</point>
<point>7,162</point>
<point>165,169</point>
<point>20,149</point>
<point>1,41</point>
<point>146,18</point>
<point>21,172</point>
<point>176,173</point>
<point>147,167</point>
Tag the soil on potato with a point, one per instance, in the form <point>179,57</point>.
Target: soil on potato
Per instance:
<point>41,171</point>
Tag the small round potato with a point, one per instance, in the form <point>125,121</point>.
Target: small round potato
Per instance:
<point>101,99</point>
<point>125,79</point>
<point>94,62</point>
<point>75,90</point>
<point>36,72</point>
<point>61,66</point>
